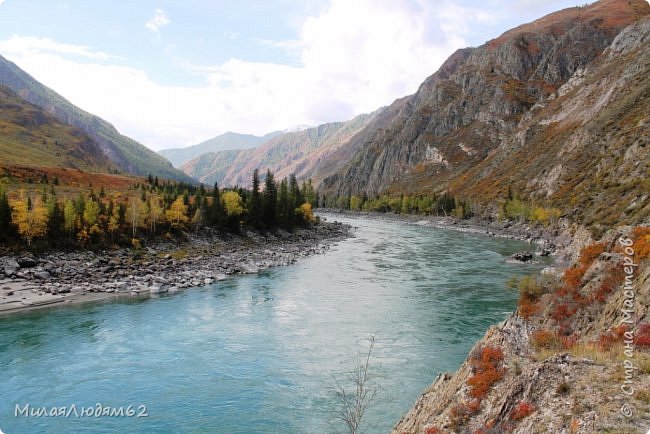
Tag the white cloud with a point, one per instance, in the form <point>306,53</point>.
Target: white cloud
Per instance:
<point>159,20</point>
<point>353,58</point>
<point>27,45</point>
<point>1,2</point>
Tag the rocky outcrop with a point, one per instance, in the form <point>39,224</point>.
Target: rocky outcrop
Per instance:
<point>462,128</point>
<point>584,149</point>
<point>549,383</point>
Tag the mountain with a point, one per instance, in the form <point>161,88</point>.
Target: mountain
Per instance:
<point>125,153</point>
<point>29,135</point>
<point>536,110</point>
<point>225,142</point>
<point>301,152</point>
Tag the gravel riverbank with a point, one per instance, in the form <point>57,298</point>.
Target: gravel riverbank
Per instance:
<point>29,282</point>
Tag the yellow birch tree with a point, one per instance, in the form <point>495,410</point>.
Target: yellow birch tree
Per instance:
<point>30,218</point>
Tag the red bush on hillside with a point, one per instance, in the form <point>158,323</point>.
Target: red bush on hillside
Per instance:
<point>642,337</point>
<point>522,410</point>
<point>487,371</point>
<point>641,237</point>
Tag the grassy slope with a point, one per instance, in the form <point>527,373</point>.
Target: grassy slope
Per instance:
<point>29,135</point>
<point>126,153</point>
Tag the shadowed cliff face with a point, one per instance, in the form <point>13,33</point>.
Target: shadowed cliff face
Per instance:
<point>477,100</point>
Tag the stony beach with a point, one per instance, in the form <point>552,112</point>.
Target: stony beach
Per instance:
<point>57,278</point>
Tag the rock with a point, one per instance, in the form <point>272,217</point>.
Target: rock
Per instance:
<point>42,275</point>
<point>157,289</point>
<point>27,262</point>
<point>522,257</point>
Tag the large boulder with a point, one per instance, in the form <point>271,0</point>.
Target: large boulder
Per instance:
<point>27,262</point>
<point>11,266</point>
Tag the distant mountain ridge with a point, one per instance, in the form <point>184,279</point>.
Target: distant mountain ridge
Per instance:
<point>302,153</point>
<point>125,153</point>
<point>225,142</point>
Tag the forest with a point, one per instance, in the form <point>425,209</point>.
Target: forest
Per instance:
<point>150,209</point>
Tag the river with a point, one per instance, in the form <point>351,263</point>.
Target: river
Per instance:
<point>262,353</point>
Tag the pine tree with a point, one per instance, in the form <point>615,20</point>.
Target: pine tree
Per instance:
<point>284,206</point>
<point>309,194</point>
<point>295,200</point>
<point>254,205</point>
<point>216,214</point>
<point>270,201</point>
<point>5,215</point>
<point>55,220</point>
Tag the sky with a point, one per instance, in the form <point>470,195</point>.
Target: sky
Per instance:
<point>173,73</point>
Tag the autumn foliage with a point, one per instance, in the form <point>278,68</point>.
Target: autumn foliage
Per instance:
<point>642,336</point>
<point>545,339</point>
<point>487,371</point>
<point>641,237</point>
<point>612,337</point>
<point>522,410</point>
<point>143,210</point>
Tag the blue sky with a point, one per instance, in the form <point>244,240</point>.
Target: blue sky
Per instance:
<point>174,73</point>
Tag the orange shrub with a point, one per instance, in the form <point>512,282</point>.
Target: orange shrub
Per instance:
<point>641,237</point>
<point>474,406</point>
<point>562,312</point>
<point>432,430</point>
<point>573,277</point>
<point>487,371</point>
<point>569,341</point>
<point>642,337</point>
<point>608,339</point>
<point>459,414</point>
<point>527,307</point>
<point>590,253</point>
<point>522,410</point>
<point>545,339</point>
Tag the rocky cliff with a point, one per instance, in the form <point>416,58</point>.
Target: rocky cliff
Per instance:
<point>575,358</point>
<point>464,120</point>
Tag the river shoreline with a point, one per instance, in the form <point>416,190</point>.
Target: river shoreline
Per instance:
<point>53,279</point>
<point>62,278</point>
<point>549,238</point>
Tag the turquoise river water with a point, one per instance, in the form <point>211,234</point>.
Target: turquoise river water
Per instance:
<point>262,353</point>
